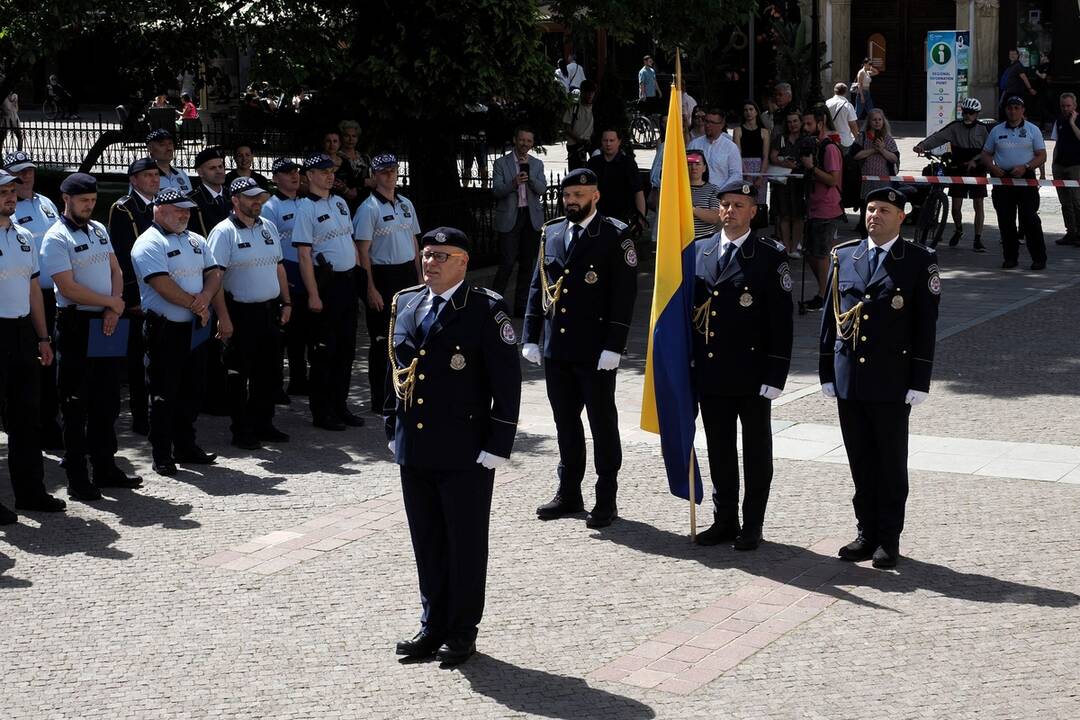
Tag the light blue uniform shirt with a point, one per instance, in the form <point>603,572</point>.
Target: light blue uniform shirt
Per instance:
<point>83,251</point>
<point>250,256</point>
<point>177,179</point>
<point>1014,146</point>
<point>390,226</point>
<point>325,226</point>
<point>281,211</point>
<point>37,214</point>
<point>18,266</point>
<point>647,76</point>
<point>184,257</point>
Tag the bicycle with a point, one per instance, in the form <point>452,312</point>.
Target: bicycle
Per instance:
<point>644,132</point>
<point>934,212</point>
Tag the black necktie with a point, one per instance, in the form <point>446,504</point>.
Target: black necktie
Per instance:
<point>220,201</point>
<point>575,233</point>
<point>876,260</point>
<point>429,319</point>
<point>726,257</point>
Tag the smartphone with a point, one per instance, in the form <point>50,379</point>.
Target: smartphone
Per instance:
<point>523,168</point>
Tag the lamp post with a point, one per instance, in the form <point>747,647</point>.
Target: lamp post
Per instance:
<point>815,96</point>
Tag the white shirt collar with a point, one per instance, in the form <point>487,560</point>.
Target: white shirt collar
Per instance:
<point>445,296</point>
<point>870,245</point>
<point>584,223</point>
<point>724,239</point>
<point>142,197</point>
<point>212,192</point>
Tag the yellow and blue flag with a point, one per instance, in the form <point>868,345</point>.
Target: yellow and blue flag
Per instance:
<point>668,404</point>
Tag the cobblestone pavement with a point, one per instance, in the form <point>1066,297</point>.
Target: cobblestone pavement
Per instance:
<point>274,585</point>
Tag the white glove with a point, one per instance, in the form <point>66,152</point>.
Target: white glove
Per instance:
<point>769,392</point>
<point>531,352</point>
<point>392,447</point>
<point>490,461</point>
<point>608,360</point>
<point>914,397</point>
<point>828,390</point>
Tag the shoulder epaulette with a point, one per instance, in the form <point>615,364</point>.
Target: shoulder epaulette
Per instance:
<point>559,219</point>
<point>412,289</point>
<point>485,291</point>
<point>771,243</point>
<point>619,224</point>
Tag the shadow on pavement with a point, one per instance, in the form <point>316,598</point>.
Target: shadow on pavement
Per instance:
<point>909,576</point>
<point>221,481</point>
<point>134,508</point>
<point>66,534</point>
<point>536,692</point>
<point>7,581</point>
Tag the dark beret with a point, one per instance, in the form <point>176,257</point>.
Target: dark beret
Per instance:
<point>208,154</point>
<point>141,165</point>
<point>740,187</point>
<point>78,184</point>
<point>581,176</point>
<point>891,195</point>
<point>445,236</point>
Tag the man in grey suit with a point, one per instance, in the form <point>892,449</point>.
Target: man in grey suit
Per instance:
<point>518,184</point>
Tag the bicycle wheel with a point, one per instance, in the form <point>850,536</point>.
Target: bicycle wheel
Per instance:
<point>642,132</point>
<point>50,109</point>
<point>941,221</point>
<point>926,224</point>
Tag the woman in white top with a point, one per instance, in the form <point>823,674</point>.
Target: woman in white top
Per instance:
<point>864,102</point>
<point>9,121</point>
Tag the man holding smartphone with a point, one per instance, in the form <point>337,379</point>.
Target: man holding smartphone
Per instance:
<point>518,184</point>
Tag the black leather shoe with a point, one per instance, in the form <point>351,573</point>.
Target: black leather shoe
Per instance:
<point>422,645</point>
<point>272,434</point>
<point>749,539</point>
<point>116,478</point>
<point>83,489</point>
<point>1009,264</point>
<point>1038,265</point>
<point>195,455</point>
<point>8,516</point>
<point>41,503</point>
<point>601,515</point>
<point>328,423</point>
<point>720,532</point>
<point>245,442</point>
<point>560,506</point>
<point>166,468</point>
<point>955,239</point>
<point>455,652</point>
<point>885,559</point>
<point>858,550</point>
<point>351,419</point>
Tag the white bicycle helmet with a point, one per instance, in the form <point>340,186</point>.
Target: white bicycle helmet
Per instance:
<point>972,104</point>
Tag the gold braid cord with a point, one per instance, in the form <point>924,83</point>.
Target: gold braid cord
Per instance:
<point>847,323</point>
<point>549,293</point>
<point>404,377</point>
<point>701,318</point>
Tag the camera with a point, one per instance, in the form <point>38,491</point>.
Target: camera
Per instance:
<point>807,146</point>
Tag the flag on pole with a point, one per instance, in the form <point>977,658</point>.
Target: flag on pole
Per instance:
<point>668,405</point>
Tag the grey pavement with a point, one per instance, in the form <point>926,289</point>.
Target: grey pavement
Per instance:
<point>274,584</point>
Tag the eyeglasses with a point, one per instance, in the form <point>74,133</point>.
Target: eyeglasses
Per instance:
<point>439,257</point>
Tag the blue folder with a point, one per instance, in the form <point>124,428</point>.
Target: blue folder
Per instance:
<point>100,345</point>
<point>199,333</point>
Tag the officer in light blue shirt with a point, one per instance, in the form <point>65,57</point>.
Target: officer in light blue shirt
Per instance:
<point>386,230</point>
<point>1015,149</point>
<point>23,340</point>
<point>178,279</point>
<point>77,253</point>
<point>37,213</point>
<point>255,302</point>
<point>323,236</point>
<point>280,209</point>
<point>161,146</point>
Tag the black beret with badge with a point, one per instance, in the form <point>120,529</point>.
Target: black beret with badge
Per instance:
<point>78,184</point>
<point>208,154</point>
<point>891,195</point>
<point>141,165</point>
<point>579,177</point>
<point>442,236</point>
<point>738,187</point>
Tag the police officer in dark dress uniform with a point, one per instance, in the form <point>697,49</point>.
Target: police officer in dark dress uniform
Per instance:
<point>77,254</point>
<point>742,351</point>
<point>24,349</point>
<point>450,421</point>
<point>129,217</point>
<point>582,296</point>
<point>877,353</point>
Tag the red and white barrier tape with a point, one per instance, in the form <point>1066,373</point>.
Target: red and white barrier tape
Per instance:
<point>961,180</point>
